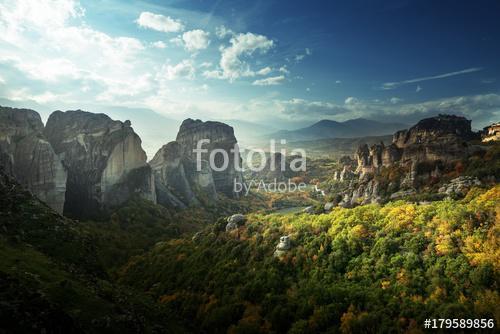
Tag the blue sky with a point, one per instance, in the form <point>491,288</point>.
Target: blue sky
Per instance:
<point>281,63</point>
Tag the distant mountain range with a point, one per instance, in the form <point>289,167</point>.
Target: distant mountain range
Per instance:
<point>353,128</point>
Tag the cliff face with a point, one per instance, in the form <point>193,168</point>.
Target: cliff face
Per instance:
<point>26,154</point>
<point>178,183</point>
<point>442,138</point>
<point>97,153</point>
<point>421,152</point>
<point>221,137</point>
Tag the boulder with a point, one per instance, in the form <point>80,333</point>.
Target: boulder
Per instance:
<point>283,246</point>
<point>237,219</point>
<point>231,226</point>
<point>26,155</point>
<point>329,206</point>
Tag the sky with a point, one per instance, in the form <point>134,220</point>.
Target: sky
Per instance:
<point>282,64</point>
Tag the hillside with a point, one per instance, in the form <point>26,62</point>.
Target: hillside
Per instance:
<point>353,128</point>
<point>368,269</point>
<point>335,148</point>
<point>53,277</point>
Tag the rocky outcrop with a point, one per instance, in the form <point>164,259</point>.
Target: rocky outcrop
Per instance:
<point>459,186</point>
<point>440,139</point>
<point>416,156</point>
<point>237,219</point>
<point>426,131</point>
<point>365,193</point>
<point>183,180</point>
<point>220,138</point>
<point>491,133</point>
<point>170,177</point>
<point>26,154</point>
<point>346,173</point>
<point>98,154</point>
<point>283,246</point>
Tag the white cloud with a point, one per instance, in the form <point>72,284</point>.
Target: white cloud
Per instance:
<point>483,109</point>
<point>50,70</point>
<point>25,95</point>
<point>300,56</point>
<point>159,22</point>
<point>232,66</point>
<point>47,40</point>
<point>222,32</point>
<point>177,41</point>
<point>393,85</point>
<point>351,100</point>
<point>264,71</point>
<point>283,69</point>
<point>196,40</point>
<point>271,81</point>
<point>396,100</point>
<point>159,45</point>
<point>183,70</point>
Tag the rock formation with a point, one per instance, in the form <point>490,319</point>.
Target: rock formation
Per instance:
<point>459,186</point>
<point>98,154</point>
<point>421,153</point>
<point>26,154</point>
<point>491,133</point>
<point>220,138</point>
<point>346,173</point>
<point>283,246</point>
<point>437,139</point>
<point>178,183</point>
<point>181,180</point>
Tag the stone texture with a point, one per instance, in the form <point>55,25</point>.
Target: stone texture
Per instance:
<point>346,173</point>
<point>491,133</point>
<point>98,153</point>
<point>178,182</point>
<point>221,137</point>
<point>283,246</point>
<point>421,153</point>
<point>459,186</point>
<point>328,206</point>
<point>237,218</point>
<point>26,154</point>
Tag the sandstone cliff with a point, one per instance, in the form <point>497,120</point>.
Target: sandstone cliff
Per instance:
<point>221,137</point>
<point>178,183</point>
<point>178,180</point>
<point>98,153</point>
<point>26,154</point>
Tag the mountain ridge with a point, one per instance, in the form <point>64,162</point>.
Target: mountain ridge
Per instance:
<point>353,128</point>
